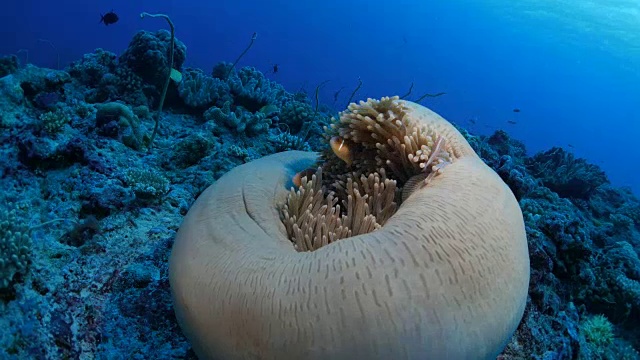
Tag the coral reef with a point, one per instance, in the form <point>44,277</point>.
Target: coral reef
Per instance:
<point>567,176</point>
<point>88,217</point>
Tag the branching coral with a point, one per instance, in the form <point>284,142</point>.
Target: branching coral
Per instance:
<point>199,90</point>
<point>252,90</point>
<point>15,247</point>
<point>284,141</point>
<point>238,119</point>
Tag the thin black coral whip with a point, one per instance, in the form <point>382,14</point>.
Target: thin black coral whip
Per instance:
<point>166,83</point>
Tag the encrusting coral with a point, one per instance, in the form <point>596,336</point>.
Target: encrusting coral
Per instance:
<point>346,266</point>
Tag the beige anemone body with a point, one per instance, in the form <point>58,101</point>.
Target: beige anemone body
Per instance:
<point>446,277</point>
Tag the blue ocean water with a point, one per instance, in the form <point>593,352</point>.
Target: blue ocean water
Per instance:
<point>572,67</point>
<point>89,216</point>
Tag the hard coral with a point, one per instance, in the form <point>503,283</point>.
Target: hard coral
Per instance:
<point>15,247</point>
<point>8,65</point>
<point>238,119</point>
<point>199,90</point>
<point>90,70</point>
<point>565,174</point>
<point>148,56</point>
<point>252,90</point>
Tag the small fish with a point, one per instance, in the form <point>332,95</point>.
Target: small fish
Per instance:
<point>275,68</point>
<point>516,110</point>
<point>511,122</point>
<point>308,173</point>
<point>472,121</point>
<point>569,145</point>
<point>341,149</point>
<point>109,18</point>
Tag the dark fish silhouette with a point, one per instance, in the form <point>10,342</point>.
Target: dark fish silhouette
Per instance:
<point>511,122</point>
<point>275,68</point>
<point>516,110</point>
<point>109,18</point>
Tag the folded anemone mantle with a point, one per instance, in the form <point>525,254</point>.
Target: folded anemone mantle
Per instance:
<point>443,276</point>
